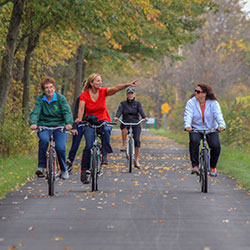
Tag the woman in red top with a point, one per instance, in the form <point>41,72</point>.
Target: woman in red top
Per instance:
<point>93,102</point>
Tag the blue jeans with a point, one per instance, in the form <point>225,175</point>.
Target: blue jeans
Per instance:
<point>76,140</point>
<point>60,143</point>
<point>89,135</point>
<point>213,141</point>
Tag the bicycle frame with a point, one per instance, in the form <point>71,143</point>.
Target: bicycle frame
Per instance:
<point>130,149</point>
<point>95,153</point>
<point>204,166</point>
<point>51,157</point>
<point>51,148</point>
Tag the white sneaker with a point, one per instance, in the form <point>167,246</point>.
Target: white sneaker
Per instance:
<point>65,175</point>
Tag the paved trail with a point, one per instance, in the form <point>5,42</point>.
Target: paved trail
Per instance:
<point>159,207</point>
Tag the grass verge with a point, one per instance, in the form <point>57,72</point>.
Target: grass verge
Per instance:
<point>233,162</point>
<point>15,172</point>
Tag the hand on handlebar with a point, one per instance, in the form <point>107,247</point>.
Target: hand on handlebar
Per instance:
<point>33,127</point>
<point>68,127</point>
<point>115,119</point>
<point>74,132</point>
<point>188,129</point>
<point>78,120</point>
<point>220,129</point>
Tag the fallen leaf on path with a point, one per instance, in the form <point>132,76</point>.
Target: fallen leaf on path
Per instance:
<point>12,248</point>
<point>31,229</point>
<point>58,238</point>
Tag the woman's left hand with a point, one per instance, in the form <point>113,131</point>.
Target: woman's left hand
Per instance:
<point>146,119</point>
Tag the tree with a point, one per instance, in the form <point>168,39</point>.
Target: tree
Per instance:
<point>8,58</point>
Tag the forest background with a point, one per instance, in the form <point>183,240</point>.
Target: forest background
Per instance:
<point>170,46</point>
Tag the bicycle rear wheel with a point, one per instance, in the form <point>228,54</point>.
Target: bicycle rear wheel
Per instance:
<point>51,173</point>
<point>130,155</point>
<point>94,168</point>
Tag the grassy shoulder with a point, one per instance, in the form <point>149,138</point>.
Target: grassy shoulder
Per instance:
<point>15,172</point>
<point>233,162</point>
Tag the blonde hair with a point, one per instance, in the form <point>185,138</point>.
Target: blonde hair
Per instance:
<point>90,79</point>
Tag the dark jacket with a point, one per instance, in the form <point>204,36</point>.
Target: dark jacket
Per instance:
<point>56,113</point>
<point>75,114</point>
<point>130,111</point>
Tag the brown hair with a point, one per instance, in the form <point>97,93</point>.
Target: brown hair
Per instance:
<point>90,79</point>
<point>208,90</point>
<point>48,80</point>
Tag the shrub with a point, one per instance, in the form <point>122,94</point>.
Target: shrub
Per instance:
<point>237,117</point>
<point>15,138</point>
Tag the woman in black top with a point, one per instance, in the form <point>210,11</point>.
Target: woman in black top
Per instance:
<point>130,111</point>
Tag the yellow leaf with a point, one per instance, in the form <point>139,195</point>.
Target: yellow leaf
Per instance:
<point>58,238</point>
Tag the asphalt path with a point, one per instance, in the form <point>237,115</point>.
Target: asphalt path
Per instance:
<point>159,207</point>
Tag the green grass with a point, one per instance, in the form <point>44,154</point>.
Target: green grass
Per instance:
<point>15,172</point>
<point>233,162</point>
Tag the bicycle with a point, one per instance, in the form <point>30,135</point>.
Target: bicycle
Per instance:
<point>51,157</point>
<point>95,153</point>
<point>204,166</point>
<point>130,149</point>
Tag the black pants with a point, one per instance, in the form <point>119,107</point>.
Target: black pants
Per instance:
<point>136,133</point>
<point>213,141</point>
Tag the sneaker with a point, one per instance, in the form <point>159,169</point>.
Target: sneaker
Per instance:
<point>40,172</point>
<point>195,170</point>
<point>85,177</point>
<point>100,172</point>
<point>65,175</point>
<point>69,166</point>
<point>105,160</point>
<point>213,172</point>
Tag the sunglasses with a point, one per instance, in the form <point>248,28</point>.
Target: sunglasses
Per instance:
<point>198,91</point>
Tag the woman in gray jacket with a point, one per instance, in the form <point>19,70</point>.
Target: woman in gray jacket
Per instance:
<point>203,111</point>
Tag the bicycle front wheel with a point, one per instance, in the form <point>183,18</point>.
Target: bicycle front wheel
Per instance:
<point>51,173</point>
<point>94,168</point>
<point>204,171</point>
<point>130,154</point>
<point>205,164</point>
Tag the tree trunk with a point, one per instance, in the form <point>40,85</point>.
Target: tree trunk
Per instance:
<point>8,58</point>
<point>79,67</point>
<point>32,43</point>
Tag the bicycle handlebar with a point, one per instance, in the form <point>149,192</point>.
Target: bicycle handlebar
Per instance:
<point>204,130</point>
<point>96,126</point>
<point>131,123</point>
<point>41,128</point>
